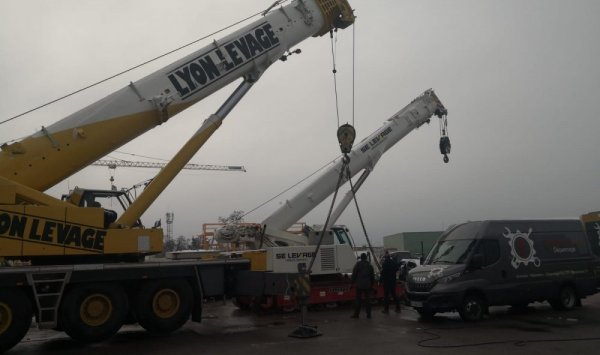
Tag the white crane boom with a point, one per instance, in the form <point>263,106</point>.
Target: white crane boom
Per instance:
<point>363,156</point>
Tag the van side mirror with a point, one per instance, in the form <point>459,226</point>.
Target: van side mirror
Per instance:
<point>421,260</point>
<point>477,261</point>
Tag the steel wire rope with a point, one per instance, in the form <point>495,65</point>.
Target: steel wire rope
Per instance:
<point>345,162</point>
<point>334,71</point>
<point>288,189</point>
<point>362,223</point>
<point>353,71</point>
<point>136,66</point>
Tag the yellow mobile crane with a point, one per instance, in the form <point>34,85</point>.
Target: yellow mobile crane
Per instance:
<point>62,237</point>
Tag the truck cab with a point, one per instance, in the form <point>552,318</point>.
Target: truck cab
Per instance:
<point>113,202</point>
<point>335,254</point>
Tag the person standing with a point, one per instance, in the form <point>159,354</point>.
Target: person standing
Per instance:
<point>389,269</point>
<point>363,278</point>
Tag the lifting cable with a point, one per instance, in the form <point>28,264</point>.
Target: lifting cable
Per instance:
<point>353,70</point>
<point>288,189</point>
<point>136,66</point>
<point>334,70</point>
<point>344,132</point>
<point>362,223</point>
<point>344,170</point>
<point>346,160</point>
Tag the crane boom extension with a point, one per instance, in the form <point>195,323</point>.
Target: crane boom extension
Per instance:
<point>363,157</point>
<point>34,224</point>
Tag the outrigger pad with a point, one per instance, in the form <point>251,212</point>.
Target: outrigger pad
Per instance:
<point>305,331</point>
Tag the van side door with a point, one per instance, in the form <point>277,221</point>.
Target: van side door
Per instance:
<point>490,270</point>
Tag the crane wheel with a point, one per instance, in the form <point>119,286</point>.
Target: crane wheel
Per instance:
<point>163,306</point>
<point>15,317</point>
<point>92,313</point>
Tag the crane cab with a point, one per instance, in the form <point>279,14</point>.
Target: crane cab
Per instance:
<point>113,202</point>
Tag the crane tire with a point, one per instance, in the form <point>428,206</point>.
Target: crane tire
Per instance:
<point>15,317</point>
<point>93,312</point>
<point>163,306</point>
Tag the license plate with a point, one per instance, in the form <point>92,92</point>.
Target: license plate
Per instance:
<point>417,304</point>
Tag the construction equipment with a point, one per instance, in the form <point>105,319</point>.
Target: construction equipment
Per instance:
<point>91,302</point>
<point>363,157</point>
<point>278,253</point>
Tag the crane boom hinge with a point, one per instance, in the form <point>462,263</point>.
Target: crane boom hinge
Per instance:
<point>55,144</point>
<point>226,57</point>
<point>306,13</point>
<point>264,13</point>
<point>162,102</point>
<point>285,14</point>
<point>136,91</point>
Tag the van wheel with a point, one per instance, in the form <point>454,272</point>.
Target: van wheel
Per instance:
<point>472,309</point>
<point>567,299</point>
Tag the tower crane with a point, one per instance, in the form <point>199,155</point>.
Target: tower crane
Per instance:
<point>113,164</point>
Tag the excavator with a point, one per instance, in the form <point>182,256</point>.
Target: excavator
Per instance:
<point>79,267</point>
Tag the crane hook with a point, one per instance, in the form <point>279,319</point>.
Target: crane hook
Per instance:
<point>444,139</point>
<point>445,147</point>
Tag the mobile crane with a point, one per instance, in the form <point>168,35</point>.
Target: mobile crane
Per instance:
<point>74,284</point>
<point>283,251</point>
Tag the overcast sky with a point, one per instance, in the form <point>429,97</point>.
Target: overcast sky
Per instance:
<point>520,79</point>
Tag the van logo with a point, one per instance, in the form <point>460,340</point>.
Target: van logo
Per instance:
<point>522,249</point>
<point>435,272</point>
<point>420,279</point>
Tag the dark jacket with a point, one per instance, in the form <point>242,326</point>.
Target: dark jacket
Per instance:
<point>363,275</point>
<point>389,268</point>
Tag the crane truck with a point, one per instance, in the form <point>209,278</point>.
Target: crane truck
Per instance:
<point>283,251</point>
<point>85,272</point>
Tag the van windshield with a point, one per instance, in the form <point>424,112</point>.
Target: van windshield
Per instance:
<point>451,251</point>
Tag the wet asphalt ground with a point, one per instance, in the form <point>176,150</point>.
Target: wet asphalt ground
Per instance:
<point>228,330</point>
